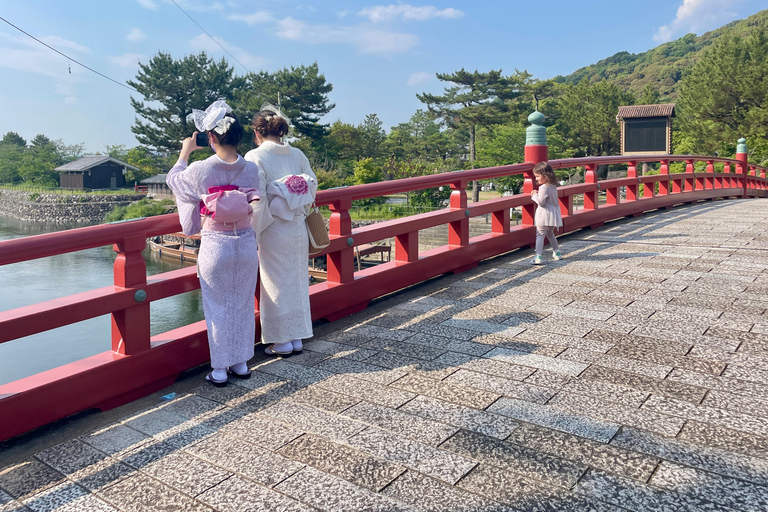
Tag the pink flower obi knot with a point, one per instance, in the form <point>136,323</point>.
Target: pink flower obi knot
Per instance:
<point>212,190</point>
<point>296,185</point>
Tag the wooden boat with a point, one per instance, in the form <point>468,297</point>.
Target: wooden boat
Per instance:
<point>174,248</point>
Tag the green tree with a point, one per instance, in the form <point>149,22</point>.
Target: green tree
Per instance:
<point>303,97</point>
<point>373,136</point>
<point>650,95</point>
<point>142,158</point>
<point>11,156</point>
<point>345,144</point>
<point>588,116</point>
<point>723,96</point>
<point>39,161</point>
<point>476,99</point>
<point>171,89</point>
<point>14,138</point>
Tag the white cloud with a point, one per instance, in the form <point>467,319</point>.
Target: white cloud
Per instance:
<point>203,42</point>
<point>148,4</point>
<point>419,78</point>
<point>388,13</point>
<point>369,41</point>
<point>344,14</point>
<point>697,16</point>
<point>61,43</point>
<point>24,54</point>
<point>188,5</point>
<point>129,60</point>
<point>136,35</point>
<point>252,19</point>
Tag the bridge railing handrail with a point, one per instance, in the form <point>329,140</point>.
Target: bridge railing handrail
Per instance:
<point>153,361</point>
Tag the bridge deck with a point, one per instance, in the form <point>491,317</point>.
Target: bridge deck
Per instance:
<point>632,375</point>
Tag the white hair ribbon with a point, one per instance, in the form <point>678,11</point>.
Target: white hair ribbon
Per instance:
<point>206,120</point>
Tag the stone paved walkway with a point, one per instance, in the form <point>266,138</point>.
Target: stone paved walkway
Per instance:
<point>632,375</point>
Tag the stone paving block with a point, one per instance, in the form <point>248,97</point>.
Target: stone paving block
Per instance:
<point>397,421</point>
<point>403,349</point>
<point>309,419</point>
<point>424,304</point>
<point>601,456</point>
<point>482,365</point>
<point>84,464</point>
<point>154,421</point>
<point>467,418</point>
<point>28,478</point>
<point>668,359</point>
<point>549,379</point>
<point>641,497</point>
<point>287,370</point>
<point>484,326</point>
<point>514,491</point>
<point>730,419</point>
<point>704,434</point>
<point>714,460</point>
<point>515,458</point>
<point>239,495</point>
<point>320,398</point>
<point>429,495</point>
<point>737,335</point>
<point>501,386</point>
<point>560,340</point>
<point>520,344</point>
<point>429,369</point>
<point>554,418</point>
<point>747,374</point>
<point>338,349</point>
<point>443,465</point>
<point>443,343</point>
<point>449,392</point>
<point>360,468</point>
<point>719,383</point>
<point>536,361</point>
<point>751,405</point>
<point>665,424</point>
<point>8,504</point>
<point>67,497</point>
<point>608,391</point>
<point>361,370</point>
<point>446,331</point>
<point>186,473</point>
<point>708,487</point>
<point>253,426</point>
<point>661,387</point>
<point>116,439</point>
<point>191,406</point>
<point>373,331</point>
<point>245,459</point>
<point>387,396</point>
<point>333,494</point>
<point>230,396</point>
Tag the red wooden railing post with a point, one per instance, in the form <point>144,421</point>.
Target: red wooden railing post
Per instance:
<point>591,197</point>
<point>742,166</point>
<point>341,264</point>
<point>130,326</point>
<point>664,182</point>
<point>458,231</point>
<point>407,247</point>
<point>689,180</point>
<point>632,189</point>
<point>500,221</point>
<point>535,151</point>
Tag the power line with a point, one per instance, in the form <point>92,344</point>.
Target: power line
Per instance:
<point>209,35</point>
<point>68,57</point>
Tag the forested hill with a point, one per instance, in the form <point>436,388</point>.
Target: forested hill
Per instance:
<point>662,66</point>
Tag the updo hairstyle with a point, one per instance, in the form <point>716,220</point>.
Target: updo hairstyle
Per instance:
<point>268,123</point>
<point>233,135</point>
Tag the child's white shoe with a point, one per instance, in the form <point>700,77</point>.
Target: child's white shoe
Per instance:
<point>557,255</point>
<point>537,260</point>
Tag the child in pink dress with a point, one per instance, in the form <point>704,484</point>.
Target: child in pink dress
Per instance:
<point>547,216</point>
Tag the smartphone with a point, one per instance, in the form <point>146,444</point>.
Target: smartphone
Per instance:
<point>201,140</point>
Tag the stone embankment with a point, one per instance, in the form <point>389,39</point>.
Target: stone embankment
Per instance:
<point>61,208</point>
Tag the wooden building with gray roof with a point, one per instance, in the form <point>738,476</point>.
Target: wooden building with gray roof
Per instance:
<point>94,172</point>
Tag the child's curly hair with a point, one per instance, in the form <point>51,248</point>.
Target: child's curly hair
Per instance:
<point>545,170</point>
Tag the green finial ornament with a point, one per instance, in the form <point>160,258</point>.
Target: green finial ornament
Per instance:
<point>742,147</point>
<point>536,134</point>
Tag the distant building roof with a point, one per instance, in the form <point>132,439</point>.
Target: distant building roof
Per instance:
<point>634,111</point>
<point>86,162</point>
<point>157,178</point>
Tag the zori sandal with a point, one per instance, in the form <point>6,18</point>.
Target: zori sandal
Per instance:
<point>217,383</point>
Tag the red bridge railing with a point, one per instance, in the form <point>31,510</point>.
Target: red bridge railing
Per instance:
<point>139,364</point>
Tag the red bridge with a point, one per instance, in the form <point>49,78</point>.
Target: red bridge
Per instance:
<point>139,364</point>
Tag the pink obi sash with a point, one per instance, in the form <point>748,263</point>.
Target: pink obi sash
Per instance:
<point>235,210</point>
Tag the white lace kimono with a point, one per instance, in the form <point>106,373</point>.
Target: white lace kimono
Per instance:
<point>227,262</point>
<point>283,245</point>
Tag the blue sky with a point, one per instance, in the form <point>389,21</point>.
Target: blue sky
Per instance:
<point>377,55</point>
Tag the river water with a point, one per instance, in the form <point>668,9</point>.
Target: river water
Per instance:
<point>30,282</point>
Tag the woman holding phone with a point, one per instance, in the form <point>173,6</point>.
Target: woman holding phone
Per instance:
<point>227,261</point>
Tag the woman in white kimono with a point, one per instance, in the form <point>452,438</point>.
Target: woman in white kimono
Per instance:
<point>289,185</point>
<point>227,262</point>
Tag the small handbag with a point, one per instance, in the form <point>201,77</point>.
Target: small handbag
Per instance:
<point>316,230</point>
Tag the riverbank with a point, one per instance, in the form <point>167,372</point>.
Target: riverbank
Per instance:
<point>57,208</point>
